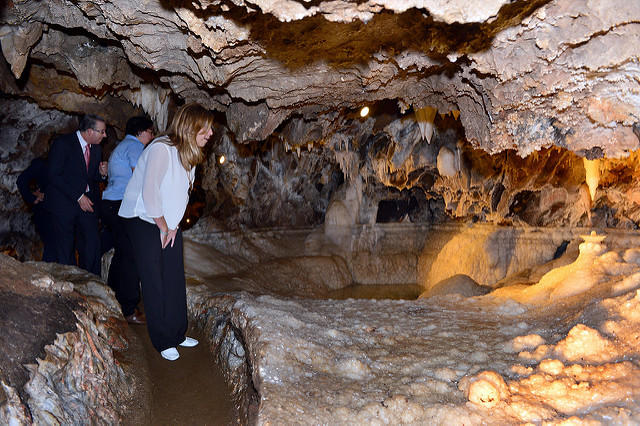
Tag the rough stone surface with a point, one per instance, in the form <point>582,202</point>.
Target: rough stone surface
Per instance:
<point>523,90</point>
<point>550,81</point>
<point>544,352</point>
<point>67,355</point>
<point>26,132</point>
<point>460,284</point>
<point>307,262</point>
<point>524,75</point>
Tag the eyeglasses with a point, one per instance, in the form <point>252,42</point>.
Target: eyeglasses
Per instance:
<point>102,132</point>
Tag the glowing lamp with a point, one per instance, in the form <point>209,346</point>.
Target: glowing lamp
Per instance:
<point>221,160</point>
<point>364,111</point>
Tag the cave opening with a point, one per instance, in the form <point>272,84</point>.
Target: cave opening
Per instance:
<point>395,210</point>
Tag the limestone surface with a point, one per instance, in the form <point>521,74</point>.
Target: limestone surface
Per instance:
<point>560,348</point>
<point>523,75</point>
<point>66,354</point>
<point>518,93</point>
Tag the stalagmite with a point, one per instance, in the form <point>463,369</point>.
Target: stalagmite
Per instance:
<point>486,388</point>
<point>448,162</point>
<point>586,200</point>
<point>589,250</point>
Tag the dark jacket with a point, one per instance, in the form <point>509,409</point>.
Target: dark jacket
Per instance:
<point>38,170</point>
<point>68,175</point>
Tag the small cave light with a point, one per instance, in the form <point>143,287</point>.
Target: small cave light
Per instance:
<point>364,111</point>
<point>188,220</point>
<point>222,159</point>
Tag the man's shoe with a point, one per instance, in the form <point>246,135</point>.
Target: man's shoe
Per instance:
<point>189,342</point>
<point>137,318</point>
<point>171,354</point>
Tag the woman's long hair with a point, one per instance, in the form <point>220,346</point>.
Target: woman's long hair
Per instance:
<point>188,121</point>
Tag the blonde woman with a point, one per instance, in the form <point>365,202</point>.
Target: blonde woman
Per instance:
<point>154,203</point>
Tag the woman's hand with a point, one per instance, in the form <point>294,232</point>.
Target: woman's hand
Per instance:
<point>167,237</point>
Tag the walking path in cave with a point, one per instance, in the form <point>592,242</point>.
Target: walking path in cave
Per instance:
<point>188,391</point>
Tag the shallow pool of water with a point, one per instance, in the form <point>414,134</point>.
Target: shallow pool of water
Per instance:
<point>377,291</point>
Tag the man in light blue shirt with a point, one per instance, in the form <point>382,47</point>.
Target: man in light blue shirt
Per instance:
<point>121,163</point>
<point>123,275</point>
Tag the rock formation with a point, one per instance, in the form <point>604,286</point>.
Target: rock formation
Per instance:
<point>67,355</point>
<point>524,74</point>
<point>523,91</point>
<point>561,348</point>
<point>506,112</point>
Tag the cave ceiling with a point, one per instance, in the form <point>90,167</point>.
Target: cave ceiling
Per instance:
<point>524,75</point>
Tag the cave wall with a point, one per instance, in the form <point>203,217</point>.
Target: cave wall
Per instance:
<point>521,92</point>
<point>406,179</point>
<point>25,133</point>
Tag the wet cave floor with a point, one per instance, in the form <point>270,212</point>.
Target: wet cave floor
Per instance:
<point>378,292</point>
<point>192,390</point>
<point>188,391</point>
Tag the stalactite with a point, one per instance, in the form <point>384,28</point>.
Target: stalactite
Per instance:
<point>154,101</point>
<point>347,161</point>
<point>592,172</point>
<point>16,44</point>
<point>425,117</point>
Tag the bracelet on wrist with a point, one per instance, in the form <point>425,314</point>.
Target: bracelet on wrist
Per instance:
<point>163,233</point>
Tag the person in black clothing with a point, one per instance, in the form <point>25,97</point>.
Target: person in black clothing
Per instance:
<point>75,170</point>
<point>36,174</point>
<point>123,275</point>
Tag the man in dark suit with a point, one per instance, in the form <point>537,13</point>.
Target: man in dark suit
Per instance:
<point>75,169</point>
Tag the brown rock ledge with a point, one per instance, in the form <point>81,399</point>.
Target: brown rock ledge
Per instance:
<point>67,355</point>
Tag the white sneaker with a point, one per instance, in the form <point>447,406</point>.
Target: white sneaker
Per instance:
<point>171,354</point>
<point>189,342</point>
